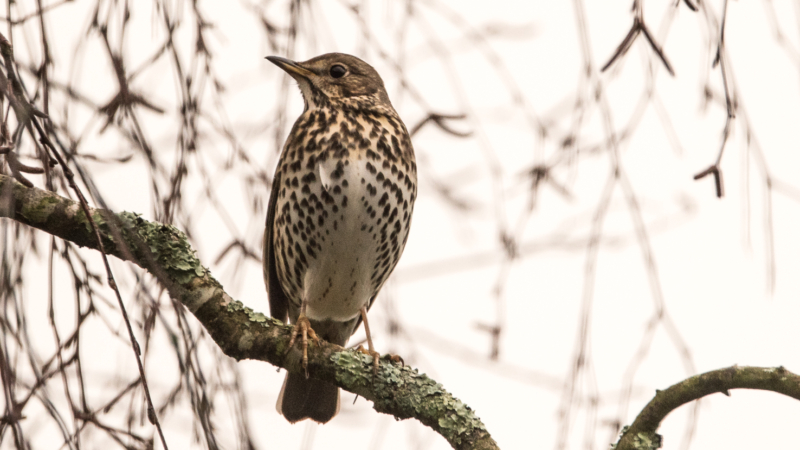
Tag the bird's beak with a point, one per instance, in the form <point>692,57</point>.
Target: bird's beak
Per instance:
<point>291,67</point>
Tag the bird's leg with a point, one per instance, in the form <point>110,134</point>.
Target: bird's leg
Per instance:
<point>302,326</point>
<point>375,355</point>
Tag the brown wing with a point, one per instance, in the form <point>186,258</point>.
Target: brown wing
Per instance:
<point>278,302</point>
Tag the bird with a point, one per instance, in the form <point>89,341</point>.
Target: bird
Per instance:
<point>339,215</point>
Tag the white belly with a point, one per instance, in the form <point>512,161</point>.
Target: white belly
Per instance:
<point>339,282</point>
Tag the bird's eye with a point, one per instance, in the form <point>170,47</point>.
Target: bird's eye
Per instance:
<point>338,71</point>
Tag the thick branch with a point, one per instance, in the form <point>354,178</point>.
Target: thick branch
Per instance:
<point>240,332</point>
<point>642,435</point>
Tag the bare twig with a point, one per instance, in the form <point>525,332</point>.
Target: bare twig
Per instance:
<point>638,27</point>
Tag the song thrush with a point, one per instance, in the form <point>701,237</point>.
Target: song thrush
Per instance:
<point>339,214</point>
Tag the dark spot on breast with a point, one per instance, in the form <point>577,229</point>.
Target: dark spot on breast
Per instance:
<point>300,253</point>
<point>311,163</point>
<point>384,199</point>
<point>339,171</point>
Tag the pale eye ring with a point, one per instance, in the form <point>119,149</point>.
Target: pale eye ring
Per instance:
<point>338,71</point>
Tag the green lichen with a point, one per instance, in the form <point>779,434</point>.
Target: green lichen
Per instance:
<point>647,441</point>
<point>235,305</point>
<point>39,211</point>
<point>253,316</point>
<point>351,368</point>
<point>258,317</point>
<point>456,419</point>
<point>168,245</point>
<point>425,396</point>
<point>642,440</point>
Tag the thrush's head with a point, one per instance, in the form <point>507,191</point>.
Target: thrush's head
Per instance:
<point>336,78</point>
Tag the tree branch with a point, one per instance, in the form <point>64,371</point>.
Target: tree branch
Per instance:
<point>240,332</point>
<point>641,435</point>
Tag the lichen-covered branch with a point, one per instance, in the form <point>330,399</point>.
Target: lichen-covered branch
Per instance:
<point>240,332</point>
<point>641,435</point>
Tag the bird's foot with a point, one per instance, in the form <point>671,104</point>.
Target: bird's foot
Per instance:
<point>302,327</point>
<point>376,357</point>
<point>394,359</point>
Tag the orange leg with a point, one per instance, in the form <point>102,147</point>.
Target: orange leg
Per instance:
<point>375,355</point>
<point>302,327</point>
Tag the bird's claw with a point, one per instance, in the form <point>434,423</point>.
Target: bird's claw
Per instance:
<point>302,327</point>
<point>376,357</point>
<point>395,359</point>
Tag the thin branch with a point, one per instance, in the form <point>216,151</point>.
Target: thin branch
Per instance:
<point>730,107</point>
<point>656,48</point>
<point>642,432</point>
<point>441,121</point>
<point>625,45</point>
<point>638,27</point>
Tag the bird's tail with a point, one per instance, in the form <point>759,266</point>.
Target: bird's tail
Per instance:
<point>302,398</point>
